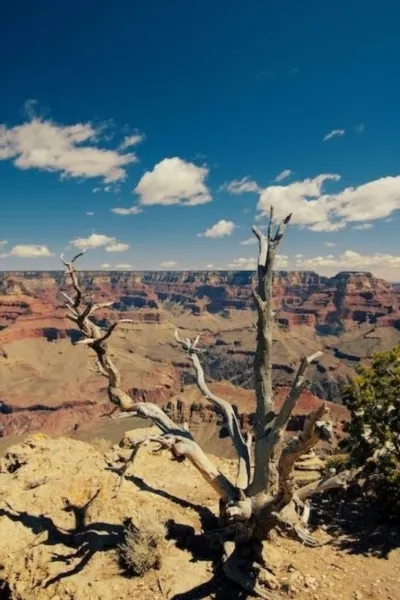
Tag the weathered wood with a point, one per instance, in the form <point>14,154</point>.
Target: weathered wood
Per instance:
<point>225,409</point>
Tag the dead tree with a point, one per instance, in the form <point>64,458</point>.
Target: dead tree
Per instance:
<point>263,497</point>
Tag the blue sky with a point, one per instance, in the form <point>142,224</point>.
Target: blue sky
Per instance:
<point>176,109</point>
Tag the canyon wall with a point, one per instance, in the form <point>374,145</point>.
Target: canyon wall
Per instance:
<point>302,297</point>
<point>46,383</point>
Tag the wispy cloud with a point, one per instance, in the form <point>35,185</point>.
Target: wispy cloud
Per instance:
<point>334,134</point>
<point>106,188</point>
<point>240,186</point>
<point>360,128</point>
<point>330,244</point>
<point>220,229</point>
<point>123,266</point>
<point>250,263</point>
<point>283,175</point>
<point>133,210</point>
<point>168,264</point>
<point>174,181</point>
<point>363,226</point>
<point>117,247</point>
<point>90,213</point>
<point>249,242</point>
<point>131,140</point>
<point>351,260</point>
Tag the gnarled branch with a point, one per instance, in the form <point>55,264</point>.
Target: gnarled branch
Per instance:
<point>296,447</point>
<point>341,480</point>
<point>94,336</point>
<point>225,409</point>
<point>180,441</point>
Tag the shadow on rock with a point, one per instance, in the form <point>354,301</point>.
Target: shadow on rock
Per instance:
<point>357,523</point>
<point>86,540</point>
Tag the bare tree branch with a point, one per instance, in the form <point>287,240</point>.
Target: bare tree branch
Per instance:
<point>182,444</point>
<point>94,336</point>
<point>270,444</point>
<point>295,448</point>
<point>340,480</point>
<point>263,357</point>
<point>225,409</point>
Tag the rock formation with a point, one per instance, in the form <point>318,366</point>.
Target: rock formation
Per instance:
<point>349,316</point>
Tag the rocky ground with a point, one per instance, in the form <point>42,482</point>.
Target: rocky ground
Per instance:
<point>61,515</point>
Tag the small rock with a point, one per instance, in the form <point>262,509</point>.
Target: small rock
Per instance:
<point>311,582</point>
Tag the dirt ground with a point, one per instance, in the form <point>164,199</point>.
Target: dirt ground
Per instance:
<point>53,551</point>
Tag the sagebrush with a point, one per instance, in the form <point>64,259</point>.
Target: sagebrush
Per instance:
<point>142,548</point>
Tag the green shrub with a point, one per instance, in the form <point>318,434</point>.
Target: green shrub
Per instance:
<point>339,462</point>
<point>373,398</point>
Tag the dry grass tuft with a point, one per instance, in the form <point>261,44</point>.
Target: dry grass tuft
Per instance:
<point>142,549</point>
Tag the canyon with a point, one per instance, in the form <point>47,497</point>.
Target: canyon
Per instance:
<point>46,382</point>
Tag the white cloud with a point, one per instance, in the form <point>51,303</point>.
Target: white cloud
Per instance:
<point>384,265</point>
<point>209,266</point>
<point>3,243</point>
<point>95,240</point>
<point>240,186</point>
<point>334,134</point>
<point>245,264</point>
<point>90,213</point>
<point>360,128</point>
<point>168,264</point>
<point>318,211</point>
<point>117,247</point>
<point>249,242</point>
<point>250,264</point>
<point>131,140</point>
<point>174,181</point>
<point>98,240</point>
<point>133,210</point>
<point>281,261</point>
<point>220,229</point>
<point>302,198</point>
<point>123,266</point>
<point>376,199</point>
<point>330,244</point>
<point>30,251</point>
<point>283,175</point>
<point>363,226</point>
<point>106,266</point>
<point>46,146</point>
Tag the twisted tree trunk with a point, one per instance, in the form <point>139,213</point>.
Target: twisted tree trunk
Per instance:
<point>262,498</point>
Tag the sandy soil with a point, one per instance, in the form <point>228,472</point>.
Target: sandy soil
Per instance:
<point>47,557</point>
